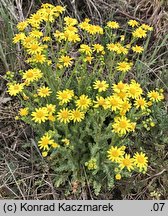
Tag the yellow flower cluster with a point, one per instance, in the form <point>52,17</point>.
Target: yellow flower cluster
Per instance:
<point>123,160</point>
<point>64,89</point>
<point>124,98</point>
<point>46,141</point>
<point>38,43</point>
<point>89,28</point>
<point>34,41</point>
<point>91,164</point>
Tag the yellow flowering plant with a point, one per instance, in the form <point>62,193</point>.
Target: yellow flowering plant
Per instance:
<point>75,95</point>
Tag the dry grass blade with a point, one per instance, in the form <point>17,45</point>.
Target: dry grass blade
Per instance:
<point>12,173</point>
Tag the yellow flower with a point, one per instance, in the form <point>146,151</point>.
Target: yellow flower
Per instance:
<point>51,117</point>
<point>66,141</point>
<point>50,108</point>
<point>155,96</point>
<point>128,46</point>
<point>77,115</point>
<point>113,102</point>
<point>40,115</point>
<point>65,96</point>
<point>118,176</point>
<point>138,49</point>
<point>27,41</point>
<point>14,89</point>
<point>152,124</point>
<point>122,95</point>
<point>66,61</point>
<point>70,21</point>
<point>139,33</point>
<point>47,5</point>
<point>59,9</point>
<point>36,34</point>
<point>88,59</point>
<point>25,97</point>
<point>94,29</point>
<point>72,37</point>
<point>133,23</point>
<point>146,27</point>
<point>127,162</point>
<point>70,29</point>
<point>35,20</point>
<point>100,101</point>
<point>34,48</point>
<point>122,125</point>
<point>84,25</point>
<point>38,58</point>
<point>64,115</point>
<point>16,118</point>
<point>124,107</point>
<point>100,85</point>
<point>141,161</point>
<point>149,103</point>
<point>32,74</point>
<point>98,48</point>
<point>45,141</point>
<point>112,47</point>
<point>18,37</point>
<point>44,91</point>
<point>141,102</point>
<point>46,39</point>
<point>120,49</point>
<point>44,153</point>
<point>83,102</point>
<point>59,35</point>
<point>54,144</point>
<point>124,66</point>
<point>134,90</point>
<point>49,62</point>
<point>115,153</point>
<point>23,112</point>
<point>113,24</point>
<point>22,25</point>
<point>120,87</point>
<point>87,20</point>
<point>48,14</point>
<point>85,49</point>
<point>122,37</point>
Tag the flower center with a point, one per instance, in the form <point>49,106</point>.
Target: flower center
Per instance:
<point>34,46</point>
<point>64,95</point>
<point>141,102</point>
<point>155,95</point>
<point>115,153</point>
<point>45,141</point>
<point>126,162</point>
<point>44,91</point>
<point>64,114</point>
<point>40,114</point>
<point>82,101</point>
<point>101,102</point>
<point>140,159</point>
<point>76,114</point>
<point>30,74</point>
<point>123,124</point>
<point>120,86</point>
<point>16,87</point>
<point>100,85</point>
<point>123,65</point>
<point>133,91</point>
